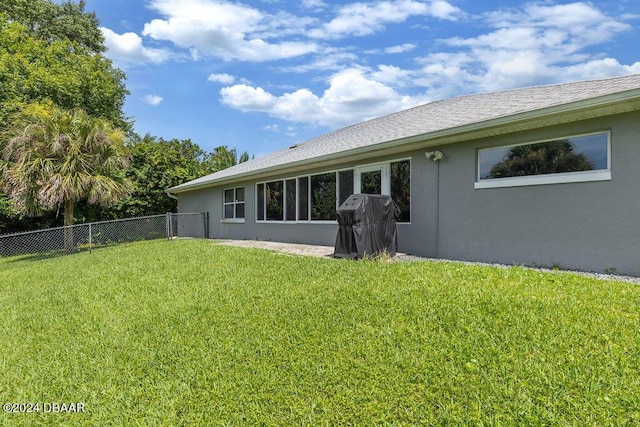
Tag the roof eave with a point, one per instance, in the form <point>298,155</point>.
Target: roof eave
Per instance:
<point>595,107</point>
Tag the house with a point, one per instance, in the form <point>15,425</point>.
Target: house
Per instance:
<point>546,175</point>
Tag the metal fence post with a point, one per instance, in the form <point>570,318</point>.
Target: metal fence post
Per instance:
<point>169,225</point>
<point>205,228</point>
<point>90,238</point>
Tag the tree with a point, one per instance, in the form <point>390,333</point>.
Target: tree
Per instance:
<point>537,159</point>
<point>61,157</point>
<point>244,157</point>
<point>50,21</point>
<point>157,164</point>
<point>62,71</point>
<point>222,158</point>
<point>53,53</point>
<point>9,216</point>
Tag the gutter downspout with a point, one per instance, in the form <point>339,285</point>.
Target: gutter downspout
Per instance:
<point>436,156</point>
<point>437,237</point>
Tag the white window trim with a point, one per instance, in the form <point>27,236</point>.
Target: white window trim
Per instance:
<point>385,176</point>
<point>547,179</point>
<point>410,160</point>
<point>556,178</point>
<point>384,166</point>
<point>304,221</point>
<point>285,210</point>
<point>310,199</point>
<point>233,220</point>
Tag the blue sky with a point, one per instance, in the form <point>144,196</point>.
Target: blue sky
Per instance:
<point>264,74</point>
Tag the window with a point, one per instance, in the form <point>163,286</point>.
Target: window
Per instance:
<point>275,200</point>
<point>401,188</point>
<point>290,196</point>
<point>234,203</point>
<point>371,182</point>
<point>303,198</point>
<point>346,185</point>
<point>572,159</point>
<point>317,197</point>
<point>260,202</point>
<point>323,197</point>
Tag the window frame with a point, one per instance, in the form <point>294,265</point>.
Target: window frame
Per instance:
<point>545,179</point>
<point>281,182</point>
<point>355,169</point>
<point>385,176</point>
<point>286,193</point>
<point>386,171</point>
<point>339,185</point>
<point>234,203</point>
<point>410,160</point>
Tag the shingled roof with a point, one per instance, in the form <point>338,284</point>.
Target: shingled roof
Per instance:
<point>433,121</point>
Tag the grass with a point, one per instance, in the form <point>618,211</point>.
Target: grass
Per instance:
<point>191,333</point>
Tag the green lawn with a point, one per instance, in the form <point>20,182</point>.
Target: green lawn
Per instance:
<point>186,332</point>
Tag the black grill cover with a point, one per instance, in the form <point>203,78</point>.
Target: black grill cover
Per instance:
<point>366,226</point>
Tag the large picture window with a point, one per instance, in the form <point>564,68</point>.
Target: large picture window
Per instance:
<point>303,198</point>
<point>290,198</point>
<point>323,197</point>
<point>275,200</point>
<point>401,188</point>
<point>572,159</point>
<point>234,203</point>
<point>316,197</point>
<point>260,202</point>
<point>346,185</point>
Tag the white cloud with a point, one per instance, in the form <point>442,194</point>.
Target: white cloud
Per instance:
<point>599,68</point>
<point>352,96</point>
<point>153,100</point>
<point>330,61</point>
<point>194,54</point>
<point>128,48</point>
<point>314,4</point>
<point>444,10</point>
<point>537,43</point>
<point>223,78</point>
<point>360,19</point>
<point>579,19</point>
<point>407,47</point>
<point>227,30</point>
<point>393,76</point>
<point>247,98</point>
<point>272,128</point>
<point>298,106</point>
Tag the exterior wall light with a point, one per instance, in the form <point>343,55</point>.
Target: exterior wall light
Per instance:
<point>434,155</point>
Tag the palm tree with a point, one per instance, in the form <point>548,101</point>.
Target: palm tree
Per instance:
<point>542,158</point>
<point>59,157</point>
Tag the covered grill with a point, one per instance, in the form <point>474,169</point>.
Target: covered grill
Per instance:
<point>366,226</point>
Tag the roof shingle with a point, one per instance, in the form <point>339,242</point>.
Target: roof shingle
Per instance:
<point>427,119</point>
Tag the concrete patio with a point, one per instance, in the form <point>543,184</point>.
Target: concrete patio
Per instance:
<point>289,248</point>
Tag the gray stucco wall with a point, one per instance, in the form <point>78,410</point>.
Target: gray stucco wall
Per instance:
<point>590,226</point>
<point>210,200</point>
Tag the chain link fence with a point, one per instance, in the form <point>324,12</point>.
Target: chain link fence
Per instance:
<point>86,237</point>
